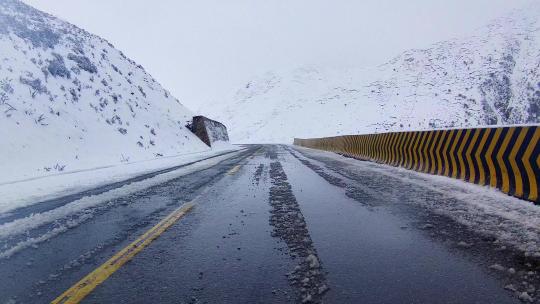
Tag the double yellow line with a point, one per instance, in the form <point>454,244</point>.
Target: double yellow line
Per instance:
<point>85,286</point>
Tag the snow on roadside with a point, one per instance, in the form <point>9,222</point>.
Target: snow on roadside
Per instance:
<point>222,145</point>
<point>23,193</point>
<point>22,225</point>
<point>512,221</point>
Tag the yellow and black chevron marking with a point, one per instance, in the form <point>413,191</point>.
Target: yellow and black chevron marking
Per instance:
<point>507,158</point>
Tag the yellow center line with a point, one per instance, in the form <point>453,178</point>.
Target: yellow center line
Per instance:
<point>234,170</point>
<point>86,285</point>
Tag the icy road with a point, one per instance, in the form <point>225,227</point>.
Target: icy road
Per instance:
<point>274,224</point>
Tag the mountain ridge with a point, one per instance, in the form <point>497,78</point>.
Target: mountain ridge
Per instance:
<point>78,101</point>
<point>489,78</point>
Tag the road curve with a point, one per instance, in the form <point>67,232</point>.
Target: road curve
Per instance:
<point>269,224</point>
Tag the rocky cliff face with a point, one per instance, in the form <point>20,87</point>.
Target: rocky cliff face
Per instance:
<point>489,78</point>
<point>70,100</point>
<point>211,132</point>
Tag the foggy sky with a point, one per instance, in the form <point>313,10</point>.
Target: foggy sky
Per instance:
<point>204,50</point>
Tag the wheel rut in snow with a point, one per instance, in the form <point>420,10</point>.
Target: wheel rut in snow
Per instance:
<point>289,225</point>
<point>361,195</point>
<point>258,173</point>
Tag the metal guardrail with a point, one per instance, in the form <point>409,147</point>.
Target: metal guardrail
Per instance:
<point>507,158</point>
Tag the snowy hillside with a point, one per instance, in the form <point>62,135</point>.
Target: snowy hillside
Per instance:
<point>69,101</point>
<point>490,78</point>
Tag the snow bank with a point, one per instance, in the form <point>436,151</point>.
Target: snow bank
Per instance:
<point>83,207</point>
<point>222,145</point>
<point>22,193</point>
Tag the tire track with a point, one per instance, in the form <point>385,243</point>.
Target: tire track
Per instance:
<point>289,225</point>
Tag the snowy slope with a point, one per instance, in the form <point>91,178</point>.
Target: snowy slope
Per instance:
<point>69,100</point>
<point>489,78</point>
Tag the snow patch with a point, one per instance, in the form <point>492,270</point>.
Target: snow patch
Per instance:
<point>22,225</point>
<point>22,193</point>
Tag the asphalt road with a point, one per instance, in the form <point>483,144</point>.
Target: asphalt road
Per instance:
<point>271,224</point>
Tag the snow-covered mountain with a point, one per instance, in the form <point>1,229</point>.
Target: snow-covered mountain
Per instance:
<point>69,100</point>
<point>489,78</point>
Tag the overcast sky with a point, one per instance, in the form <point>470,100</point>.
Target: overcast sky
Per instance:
<point>203,51</point>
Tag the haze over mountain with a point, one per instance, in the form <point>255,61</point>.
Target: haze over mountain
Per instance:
<point>489,78</point>
<point>203,51</point>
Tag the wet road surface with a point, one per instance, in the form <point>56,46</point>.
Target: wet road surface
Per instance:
<point>270,224</point>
